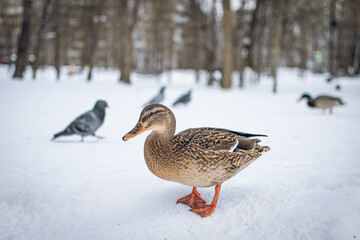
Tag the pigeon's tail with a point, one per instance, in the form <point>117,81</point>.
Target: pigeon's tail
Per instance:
<point>62,133</point>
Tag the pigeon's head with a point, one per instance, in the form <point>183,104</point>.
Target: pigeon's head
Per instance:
<point>101,104</point>
<point>154,117</point>
<point>305,95</point>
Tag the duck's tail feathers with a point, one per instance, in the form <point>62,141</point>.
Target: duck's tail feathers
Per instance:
<point>265,149</point>
<point>257,140</point>
<point>248,134</point>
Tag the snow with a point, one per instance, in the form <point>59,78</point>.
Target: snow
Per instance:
<point>306,187</point>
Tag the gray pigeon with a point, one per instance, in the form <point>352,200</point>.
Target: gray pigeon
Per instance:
<point>158,98</point>
<point>184,99</point>
<point>87,123</point>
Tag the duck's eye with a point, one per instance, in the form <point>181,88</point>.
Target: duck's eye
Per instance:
<point>152,113</point>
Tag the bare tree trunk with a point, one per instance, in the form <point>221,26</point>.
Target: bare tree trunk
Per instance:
<point>303,49</point>
<point>243,49</point>
<point>355,61</point>
<point>210,45</point>
<point>251,61</point>
<point>6,30</point>
<point>85,17</point>
<point>39,37</point>
<point>121,32</point>
<point>57,39</point>
<point>332,37</point>
<point>24,40</point>
<point>196,53</point>
<point>130,22</point>
<point>57,64</point>
<point>128,59</point>
<point>262,43</point>
<point>242,77</point>
<point>278,41</point>
<point>94,36</point>
<point>227,67</point>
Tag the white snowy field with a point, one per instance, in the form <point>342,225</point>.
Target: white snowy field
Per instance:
<point>306,187</point>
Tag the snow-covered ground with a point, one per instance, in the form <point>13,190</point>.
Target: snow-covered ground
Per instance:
<point>306,187</point>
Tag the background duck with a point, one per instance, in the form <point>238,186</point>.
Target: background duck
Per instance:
<point>323,102</point>
<point>196,157</point>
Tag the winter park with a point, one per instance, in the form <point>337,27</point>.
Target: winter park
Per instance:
<point>189,119</point>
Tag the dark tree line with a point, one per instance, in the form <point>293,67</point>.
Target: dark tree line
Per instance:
<point>153,36</point>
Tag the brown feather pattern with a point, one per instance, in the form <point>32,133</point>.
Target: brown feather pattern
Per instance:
<point>197,157</point>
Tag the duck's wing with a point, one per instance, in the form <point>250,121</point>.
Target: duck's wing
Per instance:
<point>325,100</point>
<point>215,139</point>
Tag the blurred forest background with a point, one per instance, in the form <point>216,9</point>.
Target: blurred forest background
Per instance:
<point>153,36</point>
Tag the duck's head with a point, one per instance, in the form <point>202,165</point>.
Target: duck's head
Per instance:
<point>154,117</point>
<point>305,95</point>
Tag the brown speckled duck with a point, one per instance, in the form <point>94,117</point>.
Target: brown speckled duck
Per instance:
<point>197,157</point>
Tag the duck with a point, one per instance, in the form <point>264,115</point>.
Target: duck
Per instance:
<point>158,98</point>
<point>324,102</point>
<point>196,157</point>
<point>87,123</point>
<point>183,99</point>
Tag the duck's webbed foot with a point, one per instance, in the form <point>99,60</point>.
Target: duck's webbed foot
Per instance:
<point>205,210</point>
<point>193,199</point>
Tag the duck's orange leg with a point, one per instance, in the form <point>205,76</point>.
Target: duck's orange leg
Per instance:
<point>192,199</point>
<point>206,210</point>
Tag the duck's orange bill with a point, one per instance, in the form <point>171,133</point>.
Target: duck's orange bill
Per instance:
<point>139,128</point>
